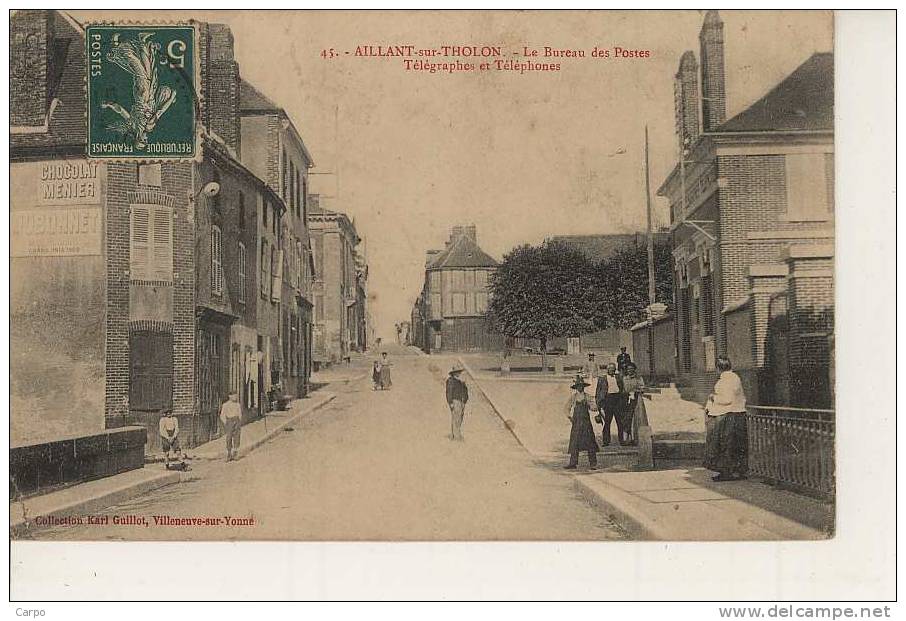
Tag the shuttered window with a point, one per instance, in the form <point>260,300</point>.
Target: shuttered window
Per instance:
<point>151,243</point>
<point>243,263</point>
<point>481,302</point>
<point>265,271</point>
<point>277,285</point>
<point>216,261</point>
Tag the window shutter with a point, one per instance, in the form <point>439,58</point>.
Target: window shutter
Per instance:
<point>265,272</point>
<point>139,246</point>
<point>242,263</point>
<point>216,261</point>
<point>162,245</point>
<point>278,277</point>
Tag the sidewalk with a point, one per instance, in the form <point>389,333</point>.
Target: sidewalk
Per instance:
<point>93,496</point>
<point>86,498</point>
<point>681,504</point>
<point>256,433</point>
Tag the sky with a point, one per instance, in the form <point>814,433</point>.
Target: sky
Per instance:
<point>408,155</point>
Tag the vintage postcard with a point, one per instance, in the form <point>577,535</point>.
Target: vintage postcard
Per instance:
<point>422,276</point>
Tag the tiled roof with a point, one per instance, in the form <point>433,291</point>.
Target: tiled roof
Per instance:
<point>463,252</point>
<point>68,125</point>
<point>251,99</point>
<point>803,101</point>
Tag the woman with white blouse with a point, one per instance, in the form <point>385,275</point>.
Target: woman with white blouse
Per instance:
<point>727,445</point>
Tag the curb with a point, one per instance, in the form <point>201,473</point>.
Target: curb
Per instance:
<point>97,502</point>
<point>636,526</point>
<point>248,448</point>
<point>493,406</point>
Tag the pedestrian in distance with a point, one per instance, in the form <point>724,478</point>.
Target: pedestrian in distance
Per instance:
<point>623,360</point>
<point>634,386</point>
<point>376,375</point>
<point>590,369</point>
<point>581,434</point>
<point>386,383</point>
<point>231,417</point>
<point>727,443</point>
<point>457,397</point>
<point>609,397</point>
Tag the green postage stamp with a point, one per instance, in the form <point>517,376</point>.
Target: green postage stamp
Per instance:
<point>141,92</point>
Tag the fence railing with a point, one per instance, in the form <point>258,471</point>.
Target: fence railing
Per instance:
<point>793,446</point>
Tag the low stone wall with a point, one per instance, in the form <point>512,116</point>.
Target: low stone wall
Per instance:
<point>37,467</point>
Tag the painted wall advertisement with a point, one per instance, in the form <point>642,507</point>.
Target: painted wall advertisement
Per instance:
<point>56,208</point>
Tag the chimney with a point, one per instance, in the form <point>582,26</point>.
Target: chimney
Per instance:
<point>30,59</point>
<point>686,101</point>
<point>222,89</point>
<point>463,231</point>
<point>714,93</point>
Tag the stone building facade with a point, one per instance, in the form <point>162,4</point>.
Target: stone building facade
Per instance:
<point>275,151</point>
<point>338,287</point>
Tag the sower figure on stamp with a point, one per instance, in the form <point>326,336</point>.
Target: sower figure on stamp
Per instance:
<point>609,396</point>
<point>231,417</point>
<point>581,435</point>
<point>457,397</point>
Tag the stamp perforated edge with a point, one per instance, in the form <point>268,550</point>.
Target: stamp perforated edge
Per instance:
<point>199,130</point>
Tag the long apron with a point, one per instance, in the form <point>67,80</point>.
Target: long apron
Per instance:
<point>582,435</point>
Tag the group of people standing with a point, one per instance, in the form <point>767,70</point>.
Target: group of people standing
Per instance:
<point>616,396</point>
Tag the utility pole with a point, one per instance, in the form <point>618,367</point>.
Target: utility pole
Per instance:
<point>652,295</point>
<point>651,288</point>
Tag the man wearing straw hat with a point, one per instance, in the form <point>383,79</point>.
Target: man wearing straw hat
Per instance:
<point>582,435</point>
<point>457,396</point>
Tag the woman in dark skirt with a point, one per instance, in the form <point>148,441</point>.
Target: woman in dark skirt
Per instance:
<point>385,372</point>
<point>727,446</point>
<point>582,435</point>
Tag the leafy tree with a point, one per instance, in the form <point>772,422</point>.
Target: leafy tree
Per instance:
<point>622,284</point>
<point>543,292</point>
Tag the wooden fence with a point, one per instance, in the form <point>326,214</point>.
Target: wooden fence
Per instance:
<point>793,446</point>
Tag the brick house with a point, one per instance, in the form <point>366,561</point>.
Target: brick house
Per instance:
<point>273,148</point>
<point>454,299</point>
<point>752,219</point>
<point>132,284</point>
<point>339,314</point>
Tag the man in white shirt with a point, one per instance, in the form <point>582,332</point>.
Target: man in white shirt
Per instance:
<point>727,444</point>
<point>231,417</point>
<point>609,395</point>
